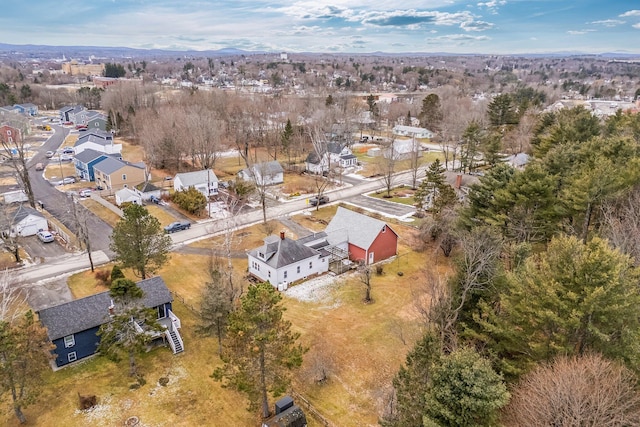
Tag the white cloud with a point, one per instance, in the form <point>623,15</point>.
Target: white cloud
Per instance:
<point>456,39</point>
<point>579,32</point>
<point>492,5</point>
<point>476,26</point>
<point>637,26</point>
<point>634,12</point>
<point>608,22</point>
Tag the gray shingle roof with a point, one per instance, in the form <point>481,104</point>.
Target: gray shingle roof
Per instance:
<point>110,165</point>
<point>361,230</point>
<point>191,179</point>
<point>88,155</point>
<point>93,138</point>
<point>96,133</point>
<point>22,211</point>
<point>282,252</point>
<point>86,313</point>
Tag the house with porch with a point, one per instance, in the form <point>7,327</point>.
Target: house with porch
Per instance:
<point>281,260</point>
<point>72,327</point>
<point>332,156</point>
<point>368,239</point>
<point>349,237</point>
<point>205,181</point>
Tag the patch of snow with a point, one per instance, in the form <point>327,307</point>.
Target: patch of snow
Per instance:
<point>318,289</point>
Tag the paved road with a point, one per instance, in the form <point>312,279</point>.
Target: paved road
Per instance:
<point>58,203</point>
<point>382,206</point>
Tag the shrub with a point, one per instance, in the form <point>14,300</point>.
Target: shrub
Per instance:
<point>103,277</point>
<point>379,270</point>
<point>116,273</point>
<point>191,200</point>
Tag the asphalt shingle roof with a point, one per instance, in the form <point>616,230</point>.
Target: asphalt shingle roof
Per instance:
<point>361,230</point>
<point>110,165</point>
<point>86,313</point>
<point>191,179</point>
<point>88,155</point>
<point>282,252</point>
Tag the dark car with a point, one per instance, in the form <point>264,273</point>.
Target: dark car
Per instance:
<point>177,226</point>
<point>315,201</point>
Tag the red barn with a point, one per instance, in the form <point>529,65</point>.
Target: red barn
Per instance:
<point>369,239</point>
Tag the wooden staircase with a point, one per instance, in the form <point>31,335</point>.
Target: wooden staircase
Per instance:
<point>175,340</point>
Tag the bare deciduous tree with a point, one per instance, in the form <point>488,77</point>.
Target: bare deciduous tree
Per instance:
<point>578,391</point>
<point>15,152</point>
<point>621,223</point>
<point>365,271</point>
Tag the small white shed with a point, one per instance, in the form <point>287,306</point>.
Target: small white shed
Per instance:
<point>126,195</point>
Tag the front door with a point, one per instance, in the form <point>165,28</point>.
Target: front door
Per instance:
<point>370,257</point>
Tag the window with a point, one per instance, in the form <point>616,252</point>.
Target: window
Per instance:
<point>124,176</point>
<point>384,228</point>
<point>298,269</point>
<point>285,274</point>
<point>310,265</point>
<point>69,341</point>
<point>9,132</point>
<point>71,357</point>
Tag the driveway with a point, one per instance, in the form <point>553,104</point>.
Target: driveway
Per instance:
<point>380,205</point>
<point>36,249</point>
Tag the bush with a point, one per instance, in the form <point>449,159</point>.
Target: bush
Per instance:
<point>191,200</point>
<point>103,277</point>
<point>116,273</point>
<point>379,270</point>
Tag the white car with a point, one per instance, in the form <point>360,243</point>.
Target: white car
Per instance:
<point>45,236</point>
<point>85,193</point>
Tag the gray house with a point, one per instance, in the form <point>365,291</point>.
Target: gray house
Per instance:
<point>267,173</point>
<point>86,160</point>
<point>23,221</point>
<point>73,326</point>
<point>205,181</point>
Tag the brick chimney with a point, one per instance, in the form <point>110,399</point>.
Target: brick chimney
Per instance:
<point>282,235</point>
<point>458,182</point>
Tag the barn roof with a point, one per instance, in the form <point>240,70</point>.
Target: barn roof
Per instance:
<point>360,230</point>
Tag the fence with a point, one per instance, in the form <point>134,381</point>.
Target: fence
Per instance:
<point>189,307</point>
<point>309,408</point>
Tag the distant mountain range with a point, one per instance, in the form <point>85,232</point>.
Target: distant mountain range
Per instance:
<point>126,52</point>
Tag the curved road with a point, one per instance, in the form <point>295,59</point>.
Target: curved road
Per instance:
<point>58,203</point>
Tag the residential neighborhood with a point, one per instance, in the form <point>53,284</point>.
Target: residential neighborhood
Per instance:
<point>370,211</point>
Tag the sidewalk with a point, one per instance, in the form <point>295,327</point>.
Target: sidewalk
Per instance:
<point>60,266</point>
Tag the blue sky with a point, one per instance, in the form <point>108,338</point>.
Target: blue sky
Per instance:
<point>358,26</point>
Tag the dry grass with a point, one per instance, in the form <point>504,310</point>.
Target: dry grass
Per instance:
<point>131,152</point>
<point>301,184</point>
<point>54,171</point>
<point>163,216</point>
<point>363,346</point>
<point>247,238</point>
<point>226,168</point>
<point>8,180</point>
<point>102,212</point>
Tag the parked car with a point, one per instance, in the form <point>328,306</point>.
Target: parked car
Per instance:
<point>66,158</point>
<point>314,201</point>
<point>154,199</point>
<point>85,193</point>
<point>177,226</point>
<point>49,154</point>
<point>45,236</point>
<point>39,166</point>
<point>68,180</point>
<point>68,150</point>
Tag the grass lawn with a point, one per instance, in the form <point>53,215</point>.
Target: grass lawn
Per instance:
<point>163,216</point>
<point>402,195</point>
<point>246,238</point>
<point>103,213</point>
<point>55,171</point>
<point>361,346</point>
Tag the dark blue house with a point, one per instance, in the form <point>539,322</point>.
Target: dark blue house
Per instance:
<point>73,326</point>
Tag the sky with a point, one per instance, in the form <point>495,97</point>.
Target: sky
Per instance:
<point>325,26</point>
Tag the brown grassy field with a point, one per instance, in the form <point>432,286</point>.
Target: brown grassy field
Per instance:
<point>103,213</point>
<point>361,346</point>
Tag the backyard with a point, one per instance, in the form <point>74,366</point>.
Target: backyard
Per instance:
<point>360,347</point>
